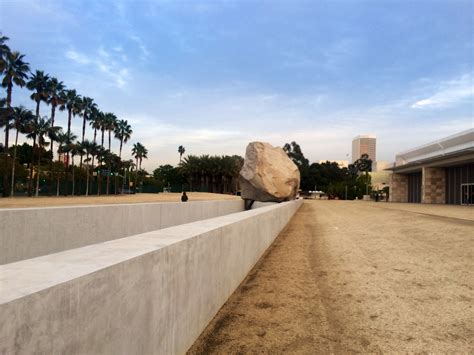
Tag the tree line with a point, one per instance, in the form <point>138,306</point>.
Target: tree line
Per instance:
<point>97,161</point>
<point>205,173</point>
<point>329,177</point>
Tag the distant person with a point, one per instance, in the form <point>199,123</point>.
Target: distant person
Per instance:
<point>184,197</point>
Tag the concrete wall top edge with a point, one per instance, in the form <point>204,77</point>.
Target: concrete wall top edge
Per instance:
<point>25,277</point>
<point>111,205</point>
<point>55,229</point>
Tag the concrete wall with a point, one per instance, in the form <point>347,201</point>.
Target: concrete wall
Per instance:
<point>152,293</point>
<point>31,232</point>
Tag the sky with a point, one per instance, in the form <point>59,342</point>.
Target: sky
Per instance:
<point>215,75</point>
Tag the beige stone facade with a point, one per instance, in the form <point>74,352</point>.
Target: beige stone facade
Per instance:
<point>398,188</point>
<point>433,185</point>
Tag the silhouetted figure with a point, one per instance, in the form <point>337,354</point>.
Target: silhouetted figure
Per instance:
<point>184,197</point>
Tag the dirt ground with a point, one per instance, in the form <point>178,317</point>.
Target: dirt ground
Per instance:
<point>348,276</point>
<point>14,202</point>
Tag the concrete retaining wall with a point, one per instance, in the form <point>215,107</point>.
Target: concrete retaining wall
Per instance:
<point>152,293</point>
<point>31,232</point>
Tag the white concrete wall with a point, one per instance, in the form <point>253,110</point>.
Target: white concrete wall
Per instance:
<point>31,232</point>
<point>152,293</point>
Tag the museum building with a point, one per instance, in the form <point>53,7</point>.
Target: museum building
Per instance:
<point>437,172</point>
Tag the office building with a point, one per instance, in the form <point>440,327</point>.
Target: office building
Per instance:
<point>364,144</point>
<point>438,172</point>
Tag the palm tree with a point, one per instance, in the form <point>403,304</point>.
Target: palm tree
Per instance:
<point>103,124</point>
<point>139,152</point>
<point>40,129</point>
<point>22,119</point>
<point>88,105</point>
<point>123,132</point>
<point>94,121</point>
<point>65,140</point>
<point>100,154</point>
<point>110,122</point>
<point>181,151</point>
<point>55,90</point>
<point>4,50</point>
<point>62,140</point>
<point>55,93</point>
<point>39,85</point>
<point>15,72</point>
<point>71,102</point>
<point>74,149</point>
<point>88,148</point>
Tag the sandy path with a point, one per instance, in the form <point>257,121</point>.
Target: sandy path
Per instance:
<point>14,202</point>
<point>348,277</point>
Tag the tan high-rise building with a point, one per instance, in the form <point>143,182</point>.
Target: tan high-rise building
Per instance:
<point>364,144</point>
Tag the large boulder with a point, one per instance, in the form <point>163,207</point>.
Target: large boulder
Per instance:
<point>268,175</point>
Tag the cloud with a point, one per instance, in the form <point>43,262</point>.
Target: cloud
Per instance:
<point>105,62</point>
<point>77,57</point>
<point>449,93</point>
<point>141,45</point>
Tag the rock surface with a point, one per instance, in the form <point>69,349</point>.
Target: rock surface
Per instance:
<point>268,175</point>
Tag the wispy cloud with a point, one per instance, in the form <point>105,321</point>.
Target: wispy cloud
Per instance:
<point>106,62</point>
<point>449,93</point>
<point>141,45</point>
<point>77,57</point>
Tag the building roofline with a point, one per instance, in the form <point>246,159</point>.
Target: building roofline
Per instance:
<point>437,160</point>
<point>438,142</point>
<point>364,136</point>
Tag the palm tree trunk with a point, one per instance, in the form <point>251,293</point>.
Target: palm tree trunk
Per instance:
<point>120,156</point>
<point>87,175</point>
<point>69,118</point>
<point>83,134</point>
<point>136,173</point>
<point>57,186</point>
<point>73,179</point>
<point>13,165</point>
<point>30,182</point>
<point>7,134</point>
<point>38,173</point>
<point>53,114</point>
<point>108,179</point>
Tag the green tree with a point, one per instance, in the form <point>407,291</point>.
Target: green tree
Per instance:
<point>88,107</point>
<point>363,165</point>
<point>22,119</point>
<point>4,50</point>
<point>55,92</point>
<point>139,152</point>
<point>74,149</point>
<point>72,103</point>
<point>88,148</point>
<point>41,129</point>
<point>123,132</point>
<point>14,71</point>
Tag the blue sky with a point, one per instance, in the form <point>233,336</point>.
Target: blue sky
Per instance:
<point>215,75</point>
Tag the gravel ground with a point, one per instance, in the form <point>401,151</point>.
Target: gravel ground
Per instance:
<point>14,202</point>
<point>356,277</point>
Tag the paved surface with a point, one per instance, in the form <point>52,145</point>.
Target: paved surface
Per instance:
<point>356,277</point>
<point>18,202</point>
